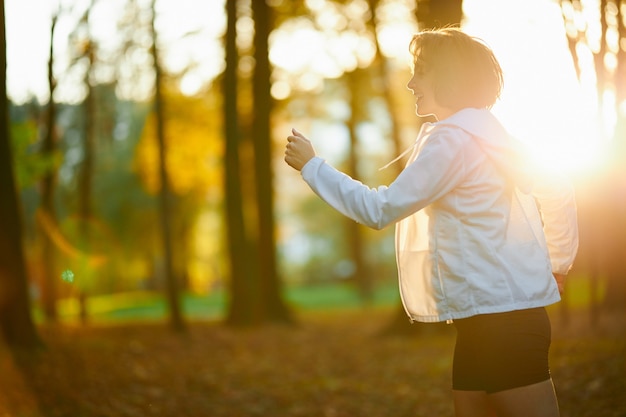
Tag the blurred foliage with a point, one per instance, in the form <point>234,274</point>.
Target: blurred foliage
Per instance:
<point>327,256</point>
<point>125,180</point>
<point>194,146</point>
<point>124,185</point>
<point>30,165</point>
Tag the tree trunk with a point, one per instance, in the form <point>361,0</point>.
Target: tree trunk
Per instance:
<point>176,319</point>
<point>239,306</point>
<point>612,208</point>
<point>433,14</point>
<point>48,276</point>
<point>385,79</point>
<point>355,233</point>
<point>85,185</point>
<point>16,322</point>
<point>274,308</point>
<point>620,70</point>
<point>616,287</point>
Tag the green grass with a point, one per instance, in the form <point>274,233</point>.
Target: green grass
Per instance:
<point>144,305</point>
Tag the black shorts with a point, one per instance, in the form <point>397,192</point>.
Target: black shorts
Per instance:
<point>501,351</point>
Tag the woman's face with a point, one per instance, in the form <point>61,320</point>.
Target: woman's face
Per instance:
<point>421,84</point>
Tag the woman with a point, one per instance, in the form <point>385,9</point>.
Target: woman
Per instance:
<point>479,241</point>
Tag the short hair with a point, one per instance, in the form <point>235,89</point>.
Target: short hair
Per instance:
<point>465,71</point>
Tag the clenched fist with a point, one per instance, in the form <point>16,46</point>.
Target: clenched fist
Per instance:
<point>298,151</point>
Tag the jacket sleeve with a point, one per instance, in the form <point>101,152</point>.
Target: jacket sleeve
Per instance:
<point>437,169</point>
<point>556,199</point>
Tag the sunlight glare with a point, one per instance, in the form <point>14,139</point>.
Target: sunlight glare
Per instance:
<point>394,38</point>
<point>332,137</point>
<point>191,83</point>
<point>609,118</point>
<point>298,48</point>
<point>245,32</point>
<point>315,5</point>
<point>328,18</point>
<point>358,13</point>
<point>352,50</point>
<point>395,28</point>
<point>542,104</point>
<point>280,90</point>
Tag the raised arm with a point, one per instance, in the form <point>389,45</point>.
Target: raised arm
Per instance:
<point>437,170</point>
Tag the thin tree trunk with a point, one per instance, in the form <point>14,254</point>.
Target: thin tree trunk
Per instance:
<point>598,60</point>
<point>620,71</point>
<point>385,79</point>
<point>86,172</point>
<point>85,185</point>
<point>572,41</point>
<point>48,281</point>
<point>361,273</point>
<point>176,319</point>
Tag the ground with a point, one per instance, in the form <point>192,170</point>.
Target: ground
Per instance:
<point>328,364</point>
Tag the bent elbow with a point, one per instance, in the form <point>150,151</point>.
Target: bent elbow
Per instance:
<point>374,224</point>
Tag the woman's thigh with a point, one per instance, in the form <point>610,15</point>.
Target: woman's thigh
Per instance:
<point>472,404</point>
<point>537,400</point>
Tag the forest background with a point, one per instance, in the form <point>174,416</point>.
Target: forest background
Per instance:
<point>206,112</point>
<point>141,166</point>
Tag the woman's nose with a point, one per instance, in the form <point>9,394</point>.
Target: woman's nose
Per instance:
<point>409,85</point>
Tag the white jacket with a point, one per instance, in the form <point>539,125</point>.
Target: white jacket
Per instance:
<point>469,236</point>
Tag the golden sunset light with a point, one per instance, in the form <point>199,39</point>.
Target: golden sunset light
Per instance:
<point>290,208</point>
